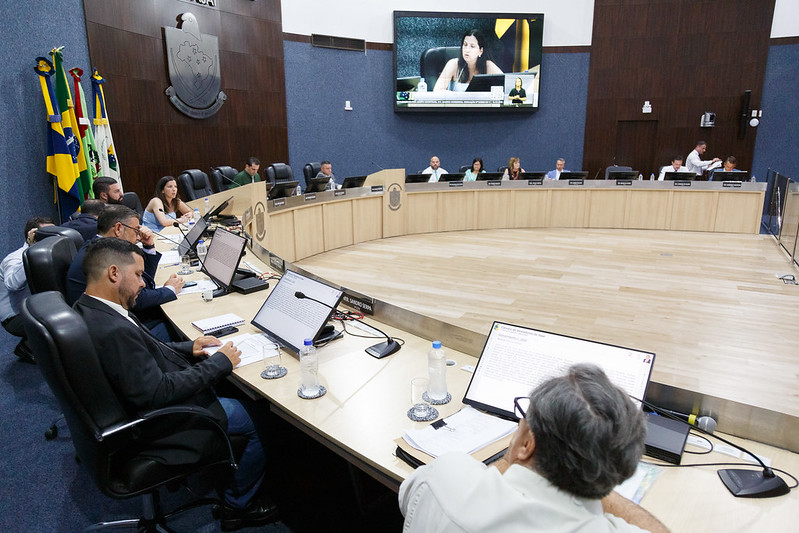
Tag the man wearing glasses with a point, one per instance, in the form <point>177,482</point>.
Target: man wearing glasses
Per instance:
<point>122,222</point>
<point>578,437</point>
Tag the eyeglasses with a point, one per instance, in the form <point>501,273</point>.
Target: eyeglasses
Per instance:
<point>521,404</point>
<point>137,230</point>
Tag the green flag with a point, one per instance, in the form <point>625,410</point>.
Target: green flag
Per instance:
<point>86,135</point>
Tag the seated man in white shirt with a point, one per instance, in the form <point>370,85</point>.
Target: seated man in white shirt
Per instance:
<point>578,437</point>
<point>676,166</point>
<point>695,163</point>
<point>434,170</point>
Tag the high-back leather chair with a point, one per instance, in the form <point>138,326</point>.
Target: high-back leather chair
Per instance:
<point>222,177</point>
<point>615,167</point>
<point>194,184</point>
<point>277,172</point>
<point>46,264</point>
<point>432,62</point>
<point>56,231</point>
<point>310,170</point>
<point>131,199</point>
<point>110,443</point>
<point>464,168</point>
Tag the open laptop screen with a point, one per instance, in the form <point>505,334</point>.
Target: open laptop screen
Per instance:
<point>223,256</point>
<point>517,359</point>
<point>290,320</point>
<point>192,237</point>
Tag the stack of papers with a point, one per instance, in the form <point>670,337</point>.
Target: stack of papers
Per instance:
<point>250,344</point>
<point>466,431</point>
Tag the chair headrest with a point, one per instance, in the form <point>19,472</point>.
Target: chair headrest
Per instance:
<point>198,178</point>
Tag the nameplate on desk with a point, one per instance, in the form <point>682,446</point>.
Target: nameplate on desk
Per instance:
<point>576,182</point>
<point>277,263</point>
<point>535,182</point>
<point>682,183</point>
<point>494,183</point>
<point>377,188</point>
<point>624,183</point>
<point>362,303</point>
<point>277,202</point>
<point>734,184</point>
<point>309,197</point>
<point>455,184</point>
<point>340,192</point>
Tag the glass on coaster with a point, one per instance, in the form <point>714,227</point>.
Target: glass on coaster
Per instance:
<point>435,401</point>
<point>310,394</point>
<point>272,357</point>
<point>421,411</point>
<point>185,266</point>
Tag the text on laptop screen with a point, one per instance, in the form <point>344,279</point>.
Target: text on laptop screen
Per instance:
<point>223,256</point>
<point>291,320</point>
<point>516,359</point>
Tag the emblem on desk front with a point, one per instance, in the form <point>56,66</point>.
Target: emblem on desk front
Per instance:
<point>260,221</point>
<point>394,196</point>
<point>193,61</point>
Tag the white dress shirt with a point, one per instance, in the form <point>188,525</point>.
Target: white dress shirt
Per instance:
<point>434,173</point>
<point>695,164</point>
<point>13,283</point>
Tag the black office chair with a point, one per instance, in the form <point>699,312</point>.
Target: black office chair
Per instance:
<point>46,263</point>
<point>277,172</point>
<point>59,231</point>
<point>502,168</point>
<point>222,177</point>
<point>464,168</point>
<point>310,170</point>
<point>615,167</point>
<point>131,199</point>
<point>432,62</point>
<point>194,184</point>
<point>109,442</point>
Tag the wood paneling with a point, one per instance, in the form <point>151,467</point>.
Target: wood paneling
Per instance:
<point>684,56</point>
<point>153,139</point>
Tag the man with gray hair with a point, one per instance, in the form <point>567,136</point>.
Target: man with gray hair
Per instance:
<point>578,437</point>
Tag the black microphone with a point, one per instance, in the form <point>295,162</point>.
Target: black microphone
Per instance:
<point>597,173</point>
<point>379,350</point>
<point>741,482</point>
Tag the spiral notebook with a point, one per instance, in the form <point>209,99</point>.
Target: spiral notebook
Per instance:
<point>215,323</point>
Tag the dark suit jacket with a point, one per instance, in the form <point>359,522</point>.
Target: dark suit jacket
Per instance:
<point>84,224</point>
<point>149,297</point>
<point>147,374</point>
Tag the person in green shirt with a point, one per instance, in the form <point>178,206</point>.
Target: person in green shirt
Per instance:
<point>248,175</point>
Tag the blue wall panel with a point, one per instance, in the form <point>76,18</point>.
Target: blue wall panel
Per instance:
<point>372,136</point>
<point>31,29</point>
<point>777,144</point>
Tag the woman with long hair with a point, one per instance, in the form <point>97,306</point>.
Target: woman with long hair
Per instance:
<point>513,170</point>
<point>476,168</point>
<point>166,207</point>
<point>473,59</point>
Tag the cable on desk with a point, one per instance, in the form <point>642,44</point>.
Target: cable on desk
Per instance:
<point>698,436</point>
<point>754,466</point>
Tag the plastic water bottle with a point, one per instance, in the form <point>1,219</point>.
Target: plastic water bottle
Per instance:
<point>640,176</point>
<point>299,190</point>
<point>422,86</point>
<point>437,371</point>
<point>652,177</point>
<point>207,203</point>
<point>197,216</point>
<point>309,368</point>
<point>202,249</point>
<point>331,184</point>
<point>753,179</point>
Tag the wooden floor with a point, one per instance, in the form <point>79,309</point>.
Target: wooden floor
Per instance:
<point>709,305</point>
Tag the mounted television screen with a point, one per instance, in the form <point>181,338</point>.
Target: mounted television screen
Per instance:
<point>479,61</point>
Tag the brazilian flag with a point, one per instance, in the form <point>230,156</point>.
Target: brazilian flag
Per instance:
<point>61,161</point>
<point>69,121</point>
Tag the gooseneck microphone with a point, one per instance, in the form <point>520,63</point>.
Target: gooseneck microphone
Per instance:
<point>705,423</point>
<point>379,350</point>
<point>741,482</point>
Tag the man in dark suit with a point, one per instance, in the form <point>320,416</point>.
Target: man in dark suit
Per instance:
<point>86,221</point>
<point>122,222</point>
<point>149,374</point>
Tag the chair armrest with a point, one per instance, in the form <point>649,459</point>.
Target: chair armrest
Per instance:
<point>196,412</point>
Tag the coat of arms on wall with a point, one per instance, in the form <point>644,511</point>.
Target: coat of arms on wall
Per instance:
<point>193,60</point>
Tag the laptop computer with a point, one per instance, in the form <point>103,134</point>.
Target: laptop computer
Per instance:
<point>516,359</point>
<point>189,243</point>
<point>222,259</point>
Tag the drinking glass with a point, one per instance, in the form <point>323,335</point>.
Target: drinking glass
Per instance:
<point>272,357</point>
<point>421,410</point>
<point>185,266</point>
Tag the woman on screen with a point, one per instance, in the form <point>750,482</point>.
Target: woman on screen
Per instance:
<point>513,170</point>
<point>477,167</point>
<point>166,207</point>
<point>473,59</point>
<point>517,95</point>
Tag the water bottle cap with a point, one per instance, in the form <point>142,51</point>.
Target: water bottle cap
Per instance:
<point>201,241</point>
<point>436,345</point>
<point>307,342</point>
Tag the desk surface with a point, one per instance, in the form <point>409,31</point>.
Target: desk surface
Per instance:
<point>364,410</point>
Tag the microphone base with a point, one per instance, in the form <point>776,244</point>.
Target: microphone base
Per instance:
<point>379,351</point>
<point>744,483</point>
